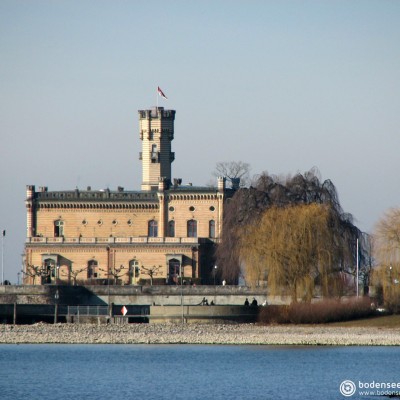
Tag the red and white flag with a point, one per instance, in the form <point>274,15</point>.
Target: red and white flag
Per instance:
<point>161,93</point>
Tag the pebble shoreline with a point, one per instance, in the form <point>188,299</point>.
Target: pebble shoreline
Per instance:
<point>229,334</point>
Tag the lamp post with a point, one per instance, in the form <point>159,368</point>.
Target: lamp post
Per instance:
<point>3,235</point>
<point>180,273</point>
<point>108,282</point>
<point>215,287</point>
<point>56,297</point>
<point>358,268</point>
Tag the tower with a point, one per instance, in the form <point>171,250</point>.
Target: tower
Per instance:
<point>156,127</point>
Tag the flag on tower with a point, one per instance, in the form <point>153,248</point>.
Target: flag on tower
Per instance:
<point>4,232</point>
<point>161,93</point>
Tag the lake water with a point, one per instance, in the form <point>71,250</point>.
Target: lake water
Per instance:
<point>116,372</point>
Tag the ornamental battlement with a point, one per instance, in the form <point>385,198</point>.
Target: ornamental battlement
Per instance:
<point>157,112</point>
<point>95,195</point>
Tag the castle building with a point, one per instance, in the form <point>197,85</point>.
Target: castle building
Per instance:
<point>164,231</point>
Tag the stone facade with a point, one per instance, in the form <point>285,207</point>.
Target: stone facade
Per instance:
<point>92,236</point>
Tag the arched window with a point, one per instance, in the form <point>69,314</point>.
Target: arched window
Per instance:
<point>211,229</point>
<point>171,228</point>
<point>92,269</point>
<point>153,228</point>
<point>192,228</point>
<point>58,228</point>
<point>134,271</point>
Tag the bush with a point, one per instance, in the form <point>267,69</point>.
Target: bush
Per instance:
<point>274,315</point>
<point>321,312</point>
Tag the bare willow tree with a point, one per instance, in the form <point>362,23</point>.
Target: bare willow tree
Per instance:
<point>387,256</point>
<point>236,172</point>
<point>248,206</point>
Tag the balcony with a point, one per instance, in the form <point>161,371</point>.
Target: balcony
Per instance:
<point>117,240</point>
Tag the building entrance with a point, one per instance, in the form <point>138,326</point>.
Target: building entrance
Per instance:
<point>174,271</point>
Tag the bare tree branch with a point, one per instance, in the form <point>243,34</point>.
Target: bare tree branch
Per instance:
<point>234,171</point>
<point>151,271</point>
<point>73,273</point>
<point>116,272</point>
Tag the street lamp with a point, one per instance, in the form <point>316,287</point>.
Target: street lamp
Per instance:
<point>215,287</point>
<point>357,268</point>
<point>3,235</point>
<point>180,272</point>
<point>56,298</point>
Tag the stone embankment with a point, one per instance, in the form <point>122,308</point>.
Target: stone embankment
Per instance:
<point>198,334</point>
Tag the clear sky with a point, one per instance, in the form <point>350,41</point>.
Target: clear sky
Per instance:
<point>282,85</point>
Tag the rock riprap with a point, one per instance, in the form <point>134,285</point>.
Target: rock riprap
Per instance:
<point>199,334</point>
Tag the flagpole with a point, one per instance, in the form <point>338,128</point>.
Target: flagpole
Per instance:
<point>157,98</point>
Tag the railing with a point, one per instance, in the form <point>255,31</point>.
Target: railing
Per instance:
<point>122,240</point>
<point>85,310</point>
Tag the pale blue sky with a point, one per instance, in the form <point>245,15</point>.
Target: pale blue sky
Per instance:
<point>282,85</point>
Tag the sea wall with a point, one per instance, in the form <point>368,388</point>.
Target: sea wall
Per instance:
<point>53,313</point>
<point>135,295</point>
